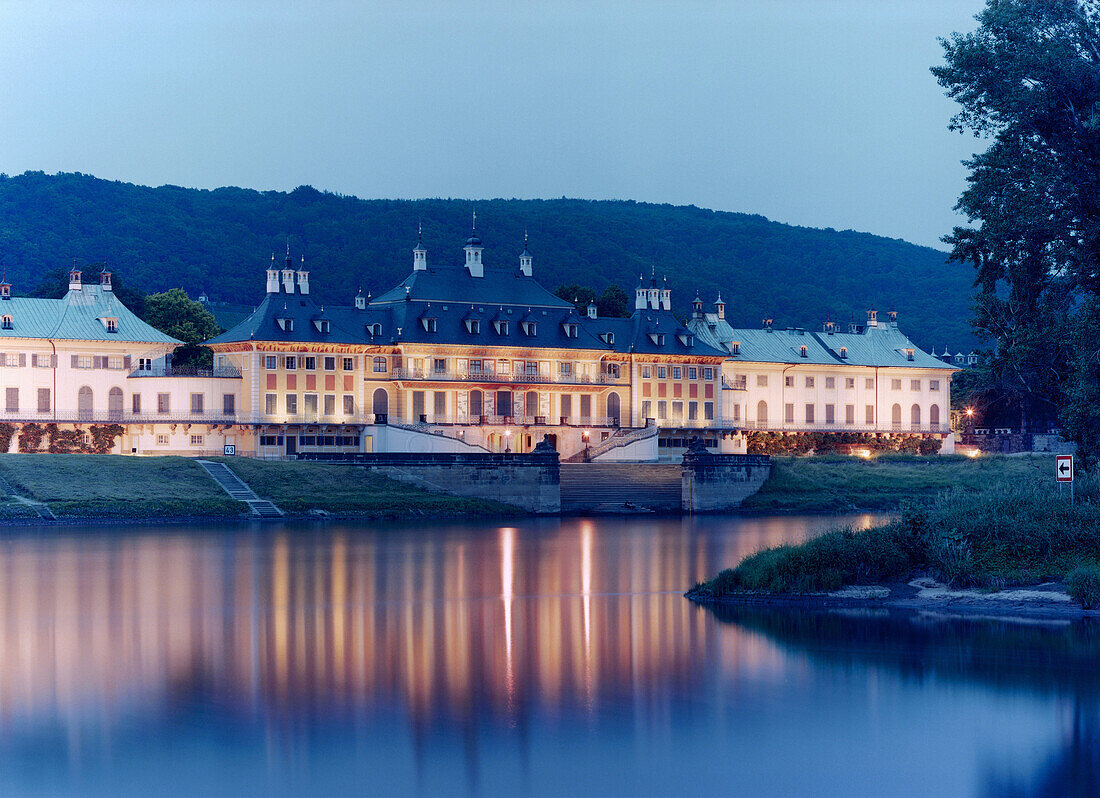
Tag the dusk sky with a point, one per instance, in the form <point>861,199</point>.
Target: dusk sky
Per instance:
<point>815,113</point>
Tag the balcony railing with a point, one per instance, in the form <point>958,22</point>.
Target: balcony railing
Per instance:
<point>788,426</point>
<point>117,417</point>
<point>428,375</point>
<point>229,372</point>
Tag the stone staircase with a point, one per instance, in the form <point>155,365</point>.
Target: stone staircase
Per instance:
<point>232,484</point>
<point>615,487</point>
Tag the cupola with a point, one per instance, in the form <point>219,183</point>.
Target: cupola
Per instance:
<point>75,279</point>
<point>697,307</point>
<point>5,289</point>
<point>105,278</point>
<point>420,255</point>
<point>360,301</point>
<point>303,277</point>
<point>640,294</point>
<point>272,277</point>
<point>473,249</point>
<point>666,295</point>
<point>872,318</point>
<point>526,262</point>
<point>720,307</point>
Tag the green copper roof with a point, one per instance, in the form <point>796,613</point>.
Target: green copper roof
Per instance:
<point>77,316</point>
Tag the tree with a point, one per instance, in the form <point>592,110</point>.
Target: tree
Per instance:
<point>613,303</point>
<point>176,314</point>
<point>580,295</point>
<point>1028,79</point>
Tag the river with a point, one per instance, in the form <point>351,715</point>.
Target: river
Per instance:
<point>543,657</point>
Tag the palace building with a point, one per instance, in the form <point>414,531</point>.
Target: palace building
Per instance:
<point>467,357</point>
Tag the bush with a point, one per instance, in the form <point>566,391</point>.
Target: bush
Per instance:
<point>1083,584</point>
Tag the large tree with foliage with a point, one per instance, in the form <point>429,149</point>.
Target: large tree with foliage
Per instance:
<point>176,314</point>
<point>1028,80</point>
<point>612,303</point>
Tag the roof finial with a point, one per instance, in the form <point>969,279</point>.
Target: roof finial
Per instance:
<point>473,225</point>
<point>525,236</point>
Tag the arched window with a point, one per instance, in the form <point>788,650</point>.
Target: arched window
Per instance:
<point>934,416</point>
<point>531,404</point>
<point>761,413</point>
<point>6,322</point>
<point>477,405</point>
<point>504,403</point>
<point>114,403</point>
<point>915,416</point>
<point>895,416</point>
<point>380,402</point>
<point>613,411</point>
<point>84,403</point>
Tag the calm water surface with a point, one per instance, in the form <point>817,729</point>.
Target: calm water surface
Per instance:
<point>551,657</point>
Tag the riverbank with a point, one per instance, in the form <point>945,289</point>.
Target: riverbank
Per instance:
<point>991,540</point>
<point>835,483</point>
<point>83,489</point>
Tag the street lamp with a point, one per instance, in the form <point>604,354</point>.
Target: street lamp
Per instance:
<point>584,437</point>
<point>507,441</point>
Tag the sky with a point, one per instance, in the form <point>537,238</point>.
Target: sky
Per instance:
<point>814,112</point>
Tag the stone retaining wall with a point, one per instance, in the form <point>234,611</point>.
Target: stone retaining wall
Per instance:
<point>713,482</point>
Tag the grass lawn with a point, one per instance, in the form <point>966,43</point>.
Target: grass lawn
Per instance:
<point>349,490</point>
<point>835,483</point>
<point>117,486</point>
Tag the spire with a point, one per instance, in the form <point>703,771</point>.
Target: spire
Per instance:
<point>473,251</point>
<point>526,261</point>
<point>420,255</point>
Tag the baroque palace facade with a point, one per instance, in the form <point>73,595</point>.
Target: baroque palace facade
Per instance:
<point>453,358</point>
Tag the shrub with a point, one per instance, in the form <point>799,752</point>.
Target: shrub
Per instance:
<point>1083,584</point>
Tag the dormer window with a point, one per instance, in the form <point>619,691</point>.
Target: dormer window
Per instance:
<point>735,347</point>
<point>571,329</point>
<point>657,338</point>
<point>110,324</point>
<point>687,340</point>
<point>501,327</point>
<point>844,353</point>
<point>908,353</point>
<point>473,326</point>
<point>7,322</point>
<point>429,324</point>
<point>529,328</point>
<point>608,338</point>
<point>286,325</point>
<point>322,325</point>
<point>374,330</point>
<point>802,351</point>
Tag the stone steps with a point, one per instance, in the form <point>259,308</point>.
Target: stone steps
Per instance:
<point>595,487</point>
<point>237,489</point>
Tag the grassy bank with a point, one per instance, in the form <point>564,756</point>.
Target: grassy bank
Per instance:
<point>839,483</point>
<point>297,487</point>
<point>1001,536</point>
<point>115,486</point>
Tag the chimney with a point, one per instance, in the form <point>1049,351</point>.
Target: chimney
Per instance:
<point>74,279</point>
<point>303,278</point>
<point>591,310</point>
<point>872,318</point>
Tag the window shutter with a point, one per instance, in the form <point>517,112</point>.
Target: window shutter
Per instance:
<point>22,358</point>
<point>34,359</point>
<point>126,362</point>
<point>75,361</point>
<point>100,362</point>
<point>53,361</point>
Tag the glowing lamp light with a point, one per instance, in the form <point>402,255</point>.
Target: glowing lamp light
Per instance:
<point>970,411</point>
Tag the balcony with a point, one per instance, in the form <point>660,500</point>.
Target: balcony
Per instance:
<point>789,426</point>
<point>427,375</point>
<point>117,417</point>
<point>227,372</point>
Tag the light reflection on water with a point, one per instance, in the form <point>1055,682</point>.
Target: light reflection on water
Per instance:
<point>545,657</point>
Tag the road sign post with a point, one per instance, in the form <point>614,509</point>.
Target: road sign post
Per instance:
<point>1063,472</point>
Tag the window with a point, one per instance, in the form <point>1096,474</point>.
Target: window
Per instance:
<point>311,404</point>
<point>914,385</point>
<point>196,440</point>
<point>646,373</point>
<point>933,385</point>
<point>662,410</point>
<point>311,363</point>
<point>114,362</point>
<point>291,363</point>
<point>46,361</point>
<point>428,325</point>
<point>736,412</point>
<point>162,439</point>
<point>529,328</point>
<point>678,411</point>
<point>843,353</point>
<point>869,383</point>
<point>830,414</point>
<point>197,402</point>
<point>292,404</point>
<point>849,414</point>
<point>473,326</point>
<point>613,370</point>
<point>870,415</point>
<point>761,380</point>
<point>379,365</point>
<point>330,364</point>
<point>12,359</point>
<point>708,410</point>
<point>111,325</point>
<point>788,413</point>
<point>532,367</point>
<point>809,414</point>
<point>229,404</point>
<point>809,382</point>
<point>788,381</point>
<point>693,411</point>
<point>11,400</point>
<point>271,404</point>
<point>802,351</point>
<point>439,365</point>
<point>676,372</point>
<point>349,405</point>
<point>83,361</point>
<point>43,400</point>
<point>565,368</point>
<point>503,366</point>
<point>647,409</point>
<point>7,323</point>
<point>164,404</point>
<point>502,327</point>
<point>830,383</point>
<point>322,325</point>
<point>135,404</point>
<point>349,363</point>
<point>693,373</point>
<point>330,404</point>
<point>850,383</point>
<point>270,362</point>
<point>662,372</point>
<point>271,440</point>
<point>708,373</point>
<point>895,385</point>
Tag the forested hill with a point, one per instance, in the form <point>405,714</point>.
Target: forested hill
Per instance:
<point>221,241</point>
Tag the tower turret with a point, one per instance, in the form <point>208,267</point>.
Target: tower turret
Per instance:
<point>303,278</point>
<point>473,251</point>
<point>526,264</point>
<point>640,294</point>
<point>420,255</point>
<point>720,307</point>
<point>272,277</point>
<point>666,296</point>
